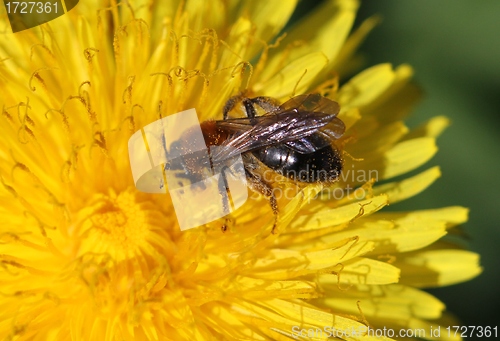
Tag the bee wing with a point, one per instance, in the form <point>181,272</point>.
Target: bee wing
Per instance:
<point>311,103</point>
<point>317,103</point>
<point>261,131</point>
<point>313,143</point>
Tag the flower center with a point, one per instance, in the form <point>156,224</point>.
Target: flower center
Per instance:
<point>116,224</point>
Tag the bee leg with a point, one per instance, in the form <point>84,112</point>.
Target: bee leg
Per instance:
<point>231,102</point>
<point>250,110</point>
<point>259,185</point>
<point>224,192</point>
<point>247,104</point>
<point>228,107</point>
<point>267,103</point>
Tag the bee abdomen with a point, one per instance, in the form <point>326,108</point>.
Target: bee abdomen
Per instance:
<point>323,165</point>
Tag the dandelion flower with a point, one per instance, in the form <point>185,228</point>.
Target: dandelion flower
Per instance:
<point>86,256</point>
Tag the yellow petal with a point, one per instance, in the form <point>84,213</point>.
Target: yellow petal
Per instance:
<point>324,30</point>
<point>301,263</point>
<point>344,58</point>
<point>294,78</point>
<point>254,288</point>
<point>203,14</point>
<point>398,191</point>
<point>326,216</point>
<point>239,40</point>
<point>432,128</point>
<point>389,236</point>
<point>269,16</point>
<point>378,141</point>
<point>300,200</point>
<point>391,302</point>
<point>225,321</point>
<point>350,117</point>
<point>365,87</point>
<point>450,216</point>
<point>438,267</point>
<point>408,155</point>
<point>362,271</point>
<point>298,313</point>
<point>398,97</point>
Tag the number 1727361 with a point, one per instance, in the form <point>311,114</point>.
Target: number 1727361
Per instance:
<point>25,7</point>
<point>472,331</point>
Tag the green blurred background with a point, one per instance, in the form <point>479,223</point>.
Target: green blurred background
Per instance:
<point>454,47</point>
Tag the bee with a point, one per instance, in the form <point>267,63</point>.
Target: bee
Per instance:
<point>295,140</point>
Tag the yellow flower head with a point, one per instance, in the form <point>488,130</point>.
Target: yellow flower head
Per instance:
<point>85,256</point>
